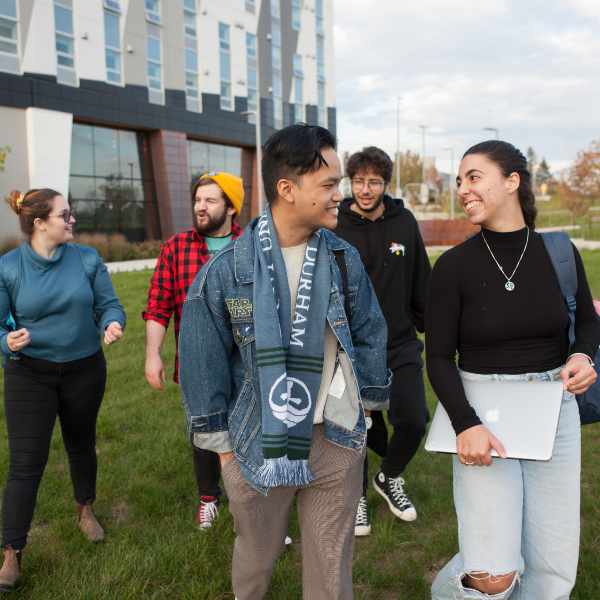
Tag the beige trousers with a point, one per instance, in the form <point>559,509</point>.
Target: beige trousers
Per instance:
<point>326,511</point>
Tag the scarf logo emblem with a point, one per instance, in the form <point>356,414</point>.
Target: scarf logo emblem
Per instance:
<point>397,248</point>
<point>293,409</point>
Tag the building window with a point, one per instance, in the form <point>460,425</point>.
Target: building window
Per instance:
<point>8,27</point>
<point>112,40</point>
<point>321,108</point>
<point>225,60</point>
<point>152,12</point>
<point>296,14</point>
<point>65,46</point>
<point>111,185</point>
<point>276,64</point>
<point>319,13</point>
<point>275,8</point>
<point>154,63</point>
<point>204,158</point>
<point>251,75</point>
<point>250,6</point>
<point>191,74</point>
<point>320,61</point>
<point>298,89</point>
<point>189,17</point>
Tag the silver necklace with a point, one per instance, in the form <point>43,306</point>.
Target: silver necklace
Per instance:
<point>509,285</point>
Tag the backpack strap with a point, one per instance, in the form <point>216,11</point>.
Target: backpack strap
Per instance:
<point>340,259</point>
<point>11,274</point>
<point>560,251</point>
<point>89,259</point>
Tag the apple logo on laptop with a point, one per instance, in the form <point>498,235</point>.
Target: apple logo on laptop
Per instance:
<point>492,416</point>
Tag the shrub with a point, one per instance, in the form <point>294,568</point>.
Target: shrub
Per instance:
<point>115,247</point>
<point>10,242</point>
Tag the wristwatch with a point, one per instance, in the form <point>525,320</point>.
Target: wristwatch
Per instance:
<point>369,422</point>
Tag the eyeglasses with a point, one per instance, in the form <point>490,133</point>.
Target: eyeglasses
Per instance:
<point>66,215</point>
<point>373,185</point>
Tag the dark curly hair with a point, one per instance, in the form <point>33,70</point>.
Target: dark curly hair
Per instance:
<point>371,159</point>
<point>511,160</point>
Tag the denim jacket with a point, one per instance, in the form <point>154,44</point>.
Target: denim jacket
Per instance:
<point>219,380</point>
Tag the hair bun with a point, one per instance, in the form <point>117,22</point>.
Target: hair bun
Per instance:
<point>15,200</point>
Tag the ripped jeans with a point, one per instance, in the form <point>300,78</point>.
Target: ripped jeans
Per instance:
<point>519,516</point>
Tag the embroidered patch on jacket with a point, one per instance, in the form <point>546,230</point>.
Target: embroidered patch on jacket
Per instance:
<point>397,248</point>
<point>239,307</point>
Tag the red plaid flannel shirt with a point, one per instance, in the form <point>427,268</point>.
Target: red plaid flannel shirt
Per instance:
<point>180,260</point>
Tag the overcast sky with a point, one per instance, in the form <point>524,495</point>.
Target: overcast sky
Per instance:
<point>534,65</point>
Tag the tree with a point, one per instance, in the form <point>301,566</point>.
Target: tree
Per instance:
<point>3,152</point>
<point>580,189</point>
<point>411,170</point>
<point>543,174</point>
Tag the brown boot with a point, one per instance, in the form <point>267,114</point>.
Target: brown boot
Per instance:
<point>11,569</point>
<point>88,524</point>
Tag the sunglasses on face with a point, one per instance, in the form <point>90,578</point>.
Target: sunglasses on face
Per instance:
<point>66,215</point>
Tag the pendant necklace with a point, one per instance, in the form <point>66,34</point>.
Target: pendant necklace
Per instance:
<point>509,285</point>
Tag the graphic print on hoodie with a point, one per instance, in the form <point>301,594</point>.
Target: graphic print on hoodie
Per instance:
<point>392,251</point>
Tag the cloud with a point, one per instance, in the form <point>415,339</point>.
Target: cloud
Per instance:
<point>530,69</point>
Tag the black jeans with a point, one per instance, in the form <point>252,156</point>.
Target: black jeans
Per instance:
<point>207,468</point>
<point>35,392</point>
<point>408,415</point>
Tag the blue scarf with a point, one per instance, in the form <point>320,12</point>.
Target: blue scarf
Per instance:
<point>290,358</point>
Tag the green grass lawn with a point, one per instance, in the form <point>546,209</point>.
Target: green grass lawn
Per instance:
<point>147,503</point>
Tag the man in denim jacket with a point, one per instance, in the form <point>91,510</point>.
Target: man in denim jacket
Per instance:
<point>228,413</point>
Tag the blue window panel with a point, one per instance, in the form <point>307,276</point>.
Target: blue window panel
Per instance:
<point>250,44</point>
<point>191,61</point>
<point>113,60</point>
<point>252,78</point>
<point>153,47</point>
<point>225,67</point>
<point>152,5</point>
<point>191,4</point>
<point>63,20</point>
<point>64,44</point>
<point>112,34</point>
<point>8,8</point>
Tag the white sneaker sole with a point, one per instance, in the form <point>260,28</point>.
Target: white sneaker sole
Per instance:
<point>360,530</point>
<point>410,514</point>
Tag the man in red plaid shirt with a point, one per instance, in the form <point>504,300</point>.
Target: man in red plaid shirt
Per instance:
<point>218,199</point>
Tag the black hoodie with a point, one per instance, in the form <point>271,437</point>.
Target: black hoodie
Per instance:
<point>392,251</point>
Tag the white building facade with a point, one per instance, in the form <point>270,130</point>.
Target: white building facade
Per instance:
<point>121,104</point>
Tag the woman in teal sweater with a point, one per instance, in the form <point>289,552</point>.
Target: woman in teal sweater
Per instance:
<point>62,301</point>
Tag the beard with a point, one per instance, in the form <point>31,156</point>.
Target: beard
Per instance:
<point>212,223</point>
<point>376,204</point>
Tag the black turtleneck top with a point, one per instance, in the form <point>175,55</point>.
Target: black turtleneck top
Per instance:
<point>494,330</point>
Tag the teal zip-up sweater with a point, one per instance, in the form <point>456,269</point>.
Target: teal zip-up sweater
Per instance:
<point>65,314</point>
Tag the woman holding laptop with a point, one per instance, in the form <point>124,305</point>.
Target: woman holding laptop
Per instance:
<point>495,299</point>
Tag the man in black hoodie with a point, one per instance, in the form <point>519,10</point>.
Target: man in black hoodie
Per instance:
<point>392,250</point>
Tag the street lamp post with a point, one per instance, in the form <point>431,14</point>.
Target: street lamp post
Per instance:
<point>492,129</point>
<point>451,150</point>
<point>423,128</point>
<point>398,192</point>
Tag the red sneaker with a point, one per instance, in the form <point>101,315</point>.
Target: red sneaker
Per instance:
<point>207,512</point>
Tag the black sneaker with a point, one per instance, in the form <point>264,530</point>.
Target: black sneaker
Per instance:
<point>391,489</point>
<point>362,525</point>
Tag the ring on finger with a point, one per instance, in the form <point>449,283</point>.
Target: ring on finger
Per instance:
<point>468,464</point>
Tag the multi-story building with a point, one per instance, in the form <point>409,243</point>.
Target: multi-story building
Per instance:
<point>121,104</point>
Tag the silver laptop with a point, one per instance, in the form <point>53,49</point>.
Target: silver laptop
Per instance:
<point>523,415</point>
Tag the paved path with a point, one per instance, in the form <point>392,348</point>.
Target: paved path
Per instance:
<point>131,265</point>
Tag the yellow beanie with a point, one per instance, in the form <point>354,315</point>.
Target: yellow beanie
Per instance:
<point>231,185</point>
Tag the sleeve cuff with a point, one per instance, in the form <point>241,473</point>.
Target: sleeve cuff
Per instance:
<point>219,442</point>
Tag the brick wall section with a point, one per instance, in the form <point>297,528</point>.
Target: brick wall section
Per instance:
<point>172,177</point>
<point>447,233</point>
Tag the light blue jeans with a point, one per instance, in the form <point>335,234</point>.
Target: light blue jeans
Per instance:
<point>519,515</point>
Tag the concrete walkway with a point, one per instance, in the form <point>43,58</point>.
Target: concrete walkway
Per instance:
<point>131,265</point>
